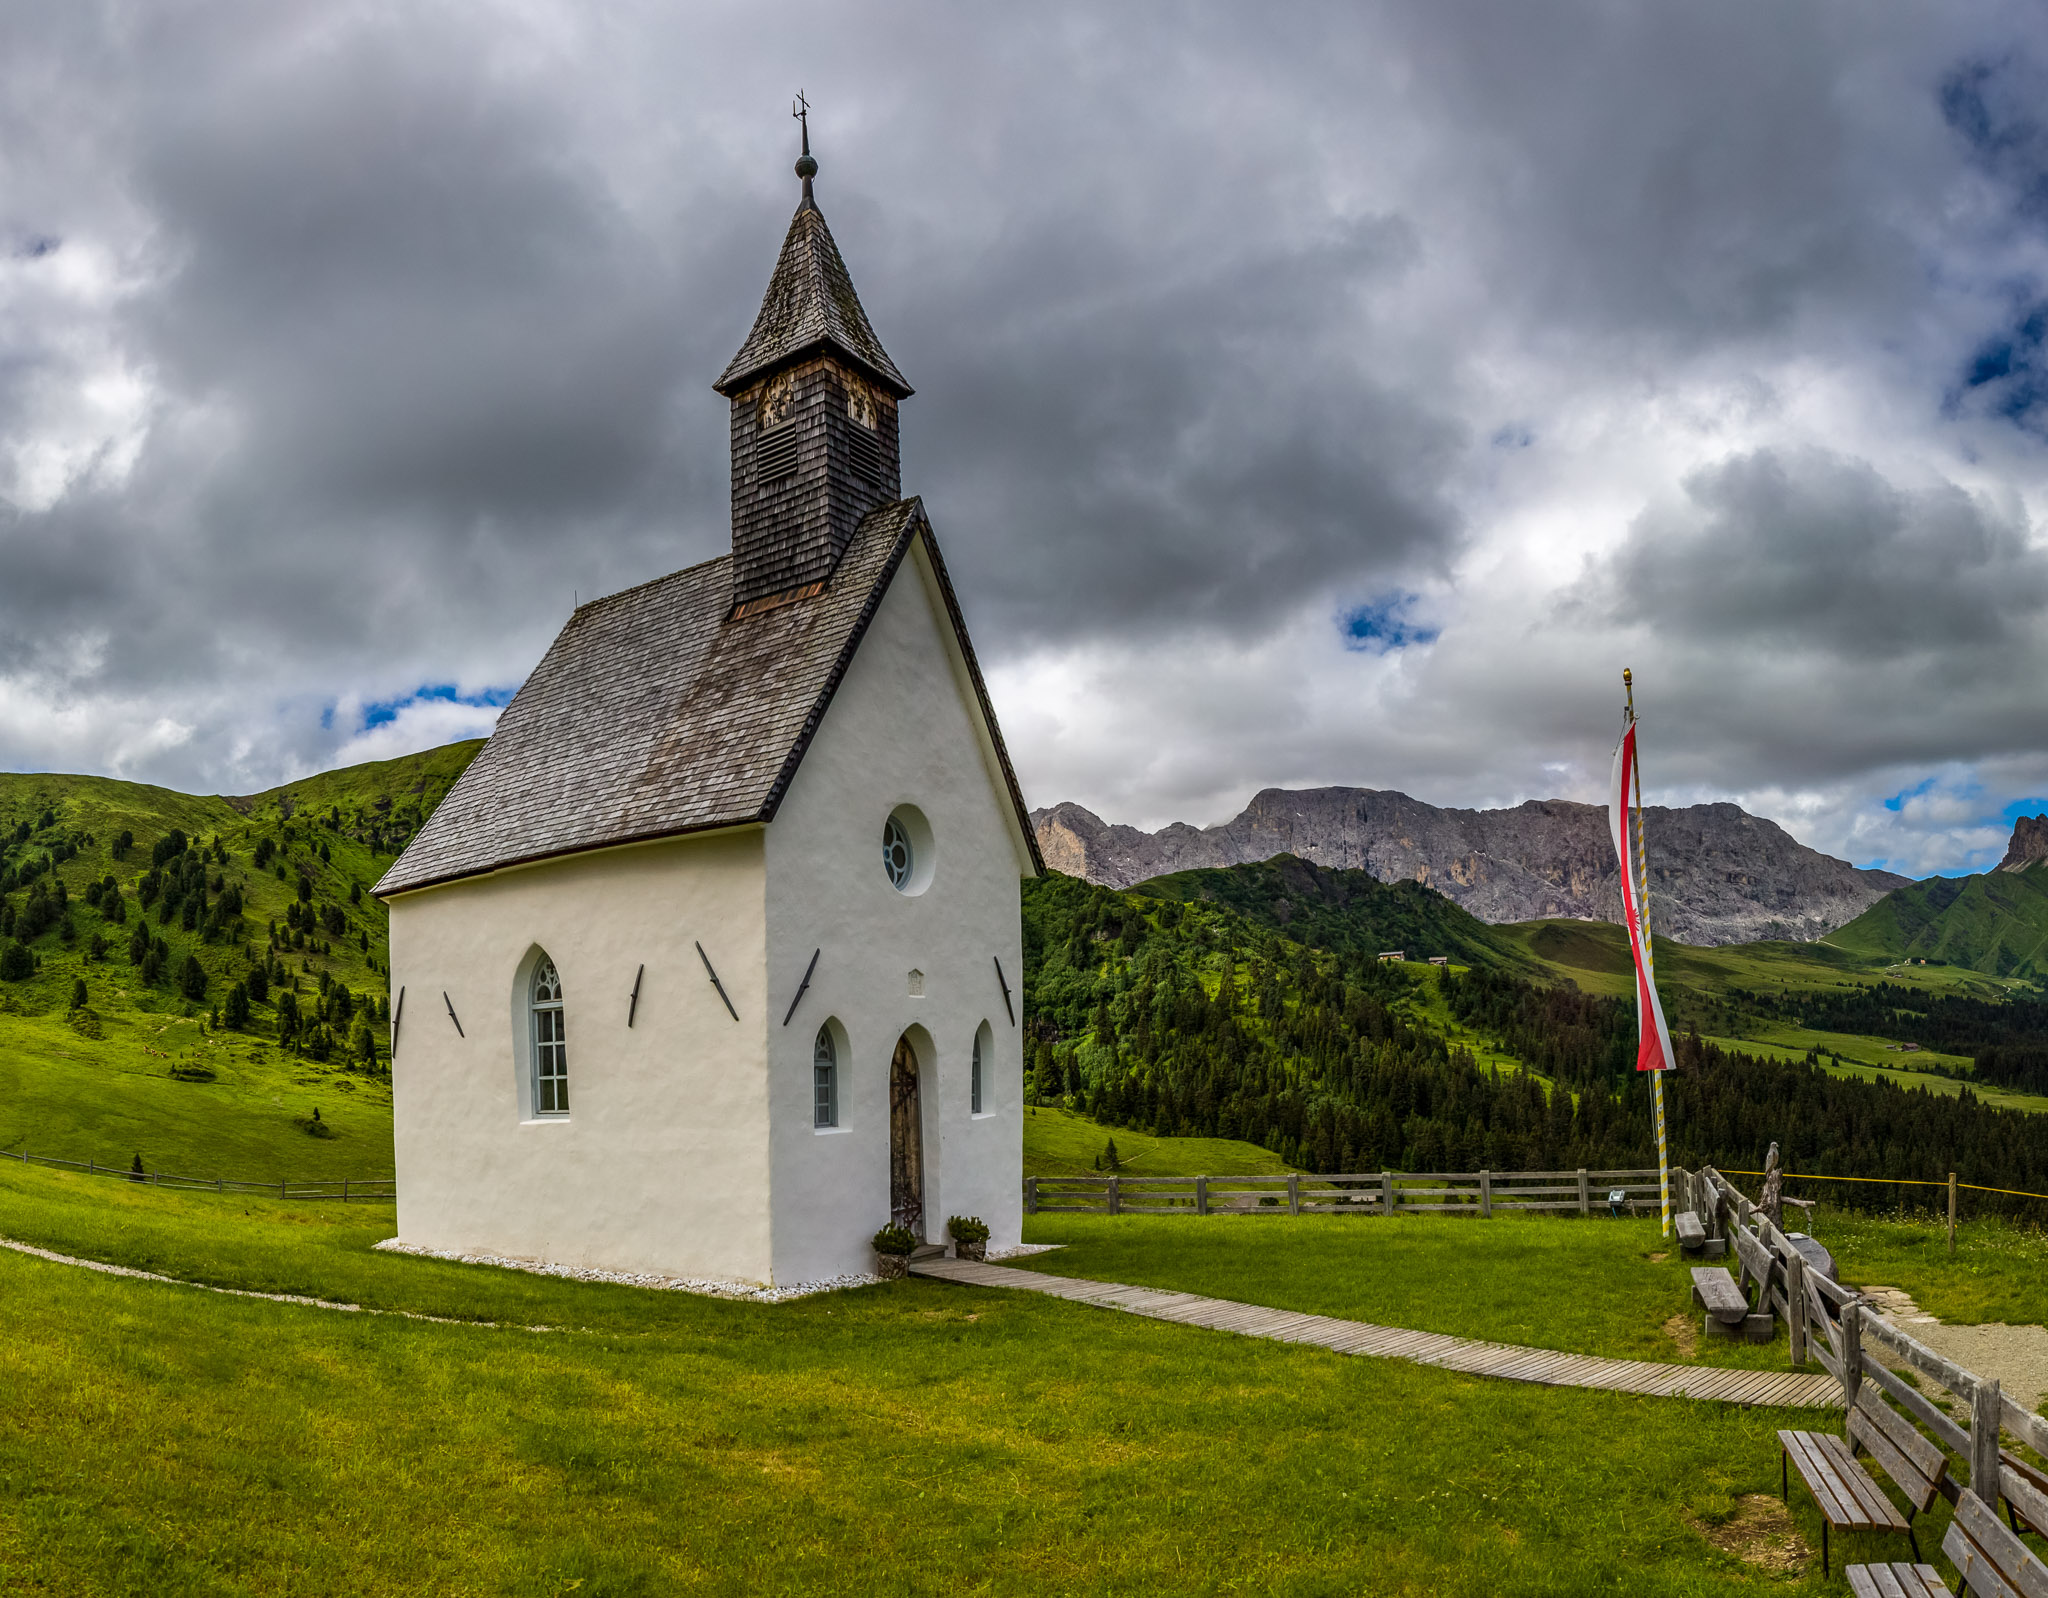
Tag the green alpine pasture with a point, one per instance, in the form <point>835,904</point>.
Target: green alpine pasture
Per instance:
<point>1058,1142</point>
<point>243,1109</point>
<point>108,1053</point>
<point>549,1436</point>
<point>1995,924</point>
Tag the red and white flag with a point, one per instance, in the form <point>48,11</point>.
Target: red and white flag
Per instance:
<point>1653,1050</point>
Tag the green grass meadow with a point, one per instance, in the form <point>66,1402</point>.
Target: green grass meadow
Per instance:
<point>914,1437</point>
<point>1058,1142</point>
<point>112,1098</point>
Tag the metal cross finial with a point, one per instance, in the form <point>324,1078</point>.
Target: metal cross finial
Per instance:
<point>806,165</point>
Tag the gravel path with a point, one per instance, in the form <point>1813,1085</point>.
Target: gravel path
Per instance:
<point>2016,1355</point>
<point>239,1292</point>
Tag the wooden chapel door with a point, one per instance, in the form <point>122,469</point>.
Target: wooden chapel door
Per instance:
<point>906,1141</point>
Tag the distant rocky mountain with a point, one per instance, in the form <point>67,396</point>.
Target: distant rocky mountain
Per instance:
<point>2029,843</point>
<point>1717,873</point>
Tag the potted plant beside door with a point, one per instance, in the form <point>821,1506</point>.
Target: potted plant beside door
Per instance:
<point>893,1247</point>
<point>970,1237</point>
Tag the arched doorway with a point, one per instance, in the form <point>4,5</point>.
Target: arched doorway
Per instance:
<point>906,1140</point>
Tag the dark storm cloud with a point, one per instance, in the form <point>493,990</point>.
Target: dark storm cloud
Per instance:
<point>1329,388</point>
<point>1207,450</point>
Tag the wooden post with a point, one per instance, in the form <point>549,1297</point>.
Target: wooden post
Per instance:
<point>1116,1202</point>
<point>1852,1357</point>
<point>1795,1305</point>
<point>1951,1214</point>
<point>1387,1192</point>
<point>1486,1195</point>
<point>1293,1192</point>
<point>1585,1194</point>
<point>1030,1195</point>
<point>1201,1195</point>
<point>1984,1407</point>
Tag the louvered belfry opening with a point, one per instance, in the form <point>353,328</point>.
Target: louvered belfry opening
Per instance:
<point>814,441</point>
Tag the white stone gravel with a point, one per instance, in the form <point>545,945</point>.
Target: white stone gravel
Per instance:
<point>1019,1250</point>
<point>744,1291</point>
<point>2016,1355</point>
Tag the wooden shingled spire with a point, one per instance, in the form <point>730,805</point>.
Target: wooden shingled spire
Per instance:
<point>814,397</point>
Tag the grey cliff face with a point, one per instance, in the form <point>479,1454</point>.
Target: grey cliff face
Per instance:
<point>1717,873</point>
<point>2029,843</point>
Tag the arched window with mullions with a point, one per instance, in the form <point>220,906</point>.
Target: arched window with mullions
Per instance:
<point>550,1042</point>
<point>825,1081</point>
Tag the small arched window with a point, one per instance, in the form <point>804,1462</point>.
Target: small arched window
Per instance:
<point>550,1042</point>
<point>977,1070</point>
<point>825,1081</point>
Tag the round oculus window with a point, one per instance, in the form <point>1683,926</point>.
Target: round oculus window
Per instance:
<point>899,857</point>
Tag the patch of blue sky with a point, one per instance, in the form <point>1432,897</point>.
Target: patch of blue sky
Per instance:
<point>1905,796</point>
<point>1383,624</point>
<point>377,713</point>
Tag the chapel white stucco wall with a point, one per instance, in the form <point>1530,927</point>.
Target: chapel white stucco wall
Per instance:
<point>663,1163</point>
<point>902,728</point>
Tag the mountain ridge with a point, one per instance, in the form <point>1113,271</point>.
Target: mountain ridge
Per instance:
<point>1717,874</point>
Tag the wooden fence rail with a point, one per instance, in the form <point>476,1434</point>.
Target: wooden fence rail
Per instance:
<point>347,1189</point>
<point>1479,1193</point>
<point>1838,1326</point>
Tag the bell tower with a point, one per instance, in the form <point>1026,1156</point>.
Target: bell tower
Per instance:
<point>814,397</point>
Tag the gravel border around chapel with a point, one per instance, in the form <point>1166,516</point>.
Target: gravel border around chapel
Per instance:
<point>742,1291</point>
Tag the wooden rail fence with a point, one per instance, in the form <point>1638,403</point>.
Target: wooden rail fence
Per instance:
<point>1841,1330</point>
<point>1476,1193</point>
<point>384,1188</point>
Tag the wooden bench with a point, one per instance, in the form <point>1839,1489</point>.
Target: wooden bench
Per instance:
<point>1692,1236</point>
<point>1897,1581</point>
<point>1727,1311</point>
<point>2029,1477</point>
<point>1990,1557</point>
<point>1842,1489</point>
<point>1714,1291</point>
<point>1916,1466</point>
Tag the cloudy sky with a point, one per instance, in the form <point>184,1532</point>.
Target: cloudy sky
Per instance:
<point>1319,394</point>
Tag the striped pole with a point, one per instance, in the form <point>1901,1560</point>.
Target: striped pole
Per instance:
<point>1640,851</point>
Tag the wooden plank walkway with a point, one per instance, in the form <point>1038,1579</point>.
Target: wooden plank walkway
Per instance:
<point>1764,1389</point>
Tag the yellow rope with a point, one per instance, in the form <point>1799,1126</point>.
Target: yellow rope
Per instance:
<point>1890,1181</point>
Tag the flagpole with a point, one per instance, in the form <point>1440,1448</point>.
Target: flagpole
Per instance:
<point>1641,867</point>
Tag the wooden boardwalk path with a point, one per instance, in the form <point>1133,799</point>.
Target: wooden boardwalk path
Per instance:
<point>1766,1389</point>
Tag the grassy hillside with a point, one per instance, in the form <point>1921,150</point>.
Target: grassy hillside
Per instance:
<point>1345,912</point>
<point>232,964</point>
<point>1995,924</point>
<point>558,1436</point>
<point>1057,1142</point>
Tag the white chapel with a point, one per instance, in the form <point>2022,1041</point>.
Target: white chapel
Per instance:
<point>709,965</point>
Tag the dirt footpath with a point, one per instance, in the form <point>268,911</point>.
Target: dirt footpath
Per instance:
<point>2016,1355</point>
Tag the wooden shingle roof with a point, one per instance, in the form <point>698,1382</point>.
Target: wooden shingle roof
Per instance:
<point>653,714</point>
<point>810,307</point>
